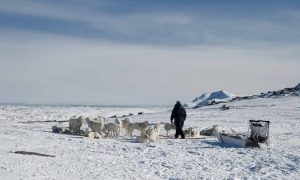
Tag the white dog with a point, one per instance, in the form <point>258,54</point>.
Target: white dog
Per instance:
<point>119,123</point>
<point>137,125</point>
<point>191,132</point>
<point>125,122</point>
<point>169,126</point>
<point>158,126</point>
<point>151,134</point>
<point>75,124</point>
<point>112,129</point>
<point>96,124</point>
<point>209,131</point>
<point>90,134</point>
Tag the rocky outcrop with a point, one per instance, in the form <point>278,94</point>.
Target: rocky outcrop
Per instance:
<point>224,97</point>
<point>293,91</point>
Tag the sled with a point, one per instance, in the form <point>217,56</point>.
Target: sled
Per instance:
<point>237,140</point>
<point>259,134</point>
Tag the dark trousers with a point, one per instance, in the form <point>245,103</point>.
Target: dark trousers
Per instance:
<point>179,125</point>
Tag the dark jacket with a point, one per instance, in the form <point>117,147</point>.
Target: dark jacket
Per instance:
<point>178,113</point>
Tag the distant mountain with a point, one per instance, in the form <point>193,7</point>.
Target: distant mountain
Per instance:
<point>210,99</point>
<point>217,97</point>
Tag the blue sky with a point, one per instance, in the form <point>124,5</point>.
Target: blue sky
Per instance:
<point>144,52</point>
<point>171,23</point>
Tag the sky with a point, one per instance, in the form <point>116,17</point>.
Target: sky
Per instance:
<point>145,52</point>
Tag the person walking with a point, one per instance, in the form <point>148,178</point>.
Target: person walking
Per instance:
<point>179,114</point>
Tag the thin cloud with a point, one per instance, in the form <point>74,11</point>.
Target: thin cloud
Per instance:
<point>157,25</point>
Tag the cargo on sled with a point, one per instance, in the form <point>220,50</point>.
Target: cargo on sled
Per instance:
<point>258,134</point>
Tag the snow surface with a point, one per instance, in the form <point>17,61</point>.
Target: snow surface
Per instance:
<point>206,98</point>
<point>78,157</point>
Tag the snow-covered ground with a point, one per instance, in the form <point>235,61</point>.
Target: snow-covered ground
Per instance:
<point>78,157</point>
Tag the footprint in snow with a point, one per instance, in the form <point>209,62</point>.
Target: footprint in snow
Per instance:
<point>152,146</point>
<point>170,142</point>
<point>166,166</point>
<point>193,152</point>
